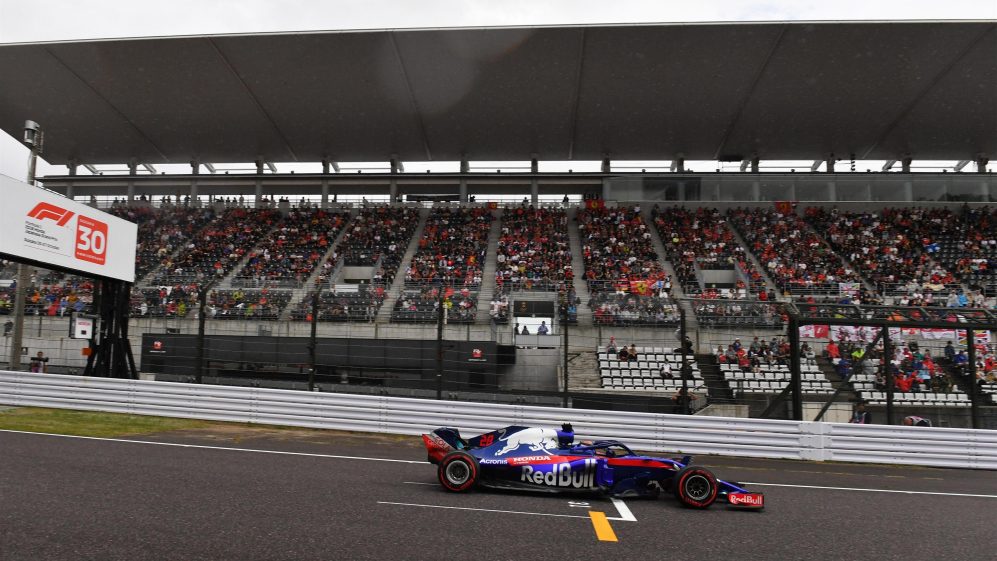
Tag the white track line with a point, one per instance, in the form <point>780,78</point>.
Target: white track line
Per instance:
<point>624,511</point>
<point>485,510</point>
<point>871,490</point>
<point>362,458</point>
<point>225,448</point>
<point>621,507</point>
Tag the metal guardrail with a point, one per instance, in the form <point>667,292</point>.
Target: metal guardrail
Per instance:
<point>760,438</point>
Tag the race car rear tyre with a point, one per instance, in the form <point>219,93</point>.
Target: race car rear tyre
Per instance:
<point>458,472</point>
<point>696,487</point>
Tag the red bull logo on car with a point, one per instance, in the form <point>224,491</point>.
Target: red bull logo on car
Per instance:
<point>536,439</point>
<point>581,476</point>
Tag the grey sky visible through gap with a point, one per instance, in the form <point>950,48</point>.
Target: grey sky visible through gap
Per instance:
<point>63,20</point>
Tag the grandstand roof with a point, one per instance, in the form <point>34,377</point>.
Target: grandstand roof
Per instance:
<point>699,91</point>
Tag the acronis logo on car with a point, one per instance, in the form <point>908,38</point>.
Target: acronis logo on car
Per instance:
<point>562,475</point>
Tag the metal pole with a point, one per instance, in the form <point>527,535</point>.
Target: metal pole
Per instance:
<point>684,370</point>
<point>794,368</point>
<point>439,347</point>
<point>312,343</point>
<point>23,276</point>
<point>888,373</point>
<point>565,373</point>
<point>202,299</point>
<point>973,394</point>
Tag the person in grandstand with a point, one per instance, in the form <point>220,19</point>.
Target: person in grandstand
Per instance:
<point>39,363</point>
<point>682,401</point>
<point>915,421</point>
<point>860,416</point>
<point>832,350</point>
<point>542,330</point>
<point>611,347</point>
<point>950,352</point>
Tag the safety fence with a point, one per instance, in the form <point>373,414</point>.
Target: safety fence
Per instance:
<point>941,447</point>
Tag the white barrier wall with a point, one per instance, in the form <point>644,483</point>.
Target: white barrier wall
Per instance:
<point>759,438</point>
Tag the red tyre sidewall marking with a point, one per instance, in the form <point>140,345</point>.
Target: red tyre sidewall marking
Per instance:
<point>693,502</point>
<point>470,479</point>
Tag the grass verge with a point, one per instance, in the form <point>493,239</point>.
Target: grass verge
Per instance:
<point>91,423</point>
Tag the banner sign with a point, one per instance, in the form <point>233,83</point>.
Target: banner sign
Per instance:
<point>48,228</point>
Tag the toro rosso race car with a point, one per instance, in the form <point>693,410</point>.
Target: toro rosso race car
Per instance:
<point>548,460</point>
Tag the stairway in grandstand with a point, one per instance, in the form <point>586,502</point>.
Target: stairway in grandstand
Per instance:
<point>299,294</point>
<point>583,370</point>
<point>384,314</point>
<point>487,289</point>
<point>769,284</point>
<point>847,392</point>
<point>659,248</point>
<point>719,390</point>
<point>578,268</point>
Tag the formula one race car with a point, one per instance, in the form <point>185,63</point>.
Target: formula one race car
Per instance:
<point>548,460</point>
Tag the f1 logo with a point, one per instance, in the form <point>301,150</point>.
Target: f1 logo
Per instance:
<point>46,211</point>
<point>91,240</point>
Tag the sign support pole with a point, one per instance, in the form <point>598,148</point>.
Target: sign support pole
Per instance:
<point>23,275</point>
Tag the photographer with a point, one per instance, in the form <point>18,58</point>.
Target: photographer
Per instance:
<point>39,363</point>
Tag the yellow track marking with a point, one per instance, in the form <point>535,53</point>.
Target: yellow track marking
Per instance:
<point>603,530</point>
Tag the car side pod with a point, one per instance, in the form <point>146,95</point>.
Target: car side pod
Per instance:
<point>746,501</point>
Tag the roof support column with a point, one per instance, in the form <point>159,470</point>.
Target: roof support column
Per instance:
<point>981,164</point>
<point>832,190</point>
<point>325,184</point>
<point>258,199</point>
<point>909,191</point>
<point>606,165</point>
<point>465,167</point>
<point>393,186</point>
<point>830,163</point>
<point>756,190</point>
<point>132,171</point>
<point>195,169</point>
<point>72,173</point>
<point>754,164</point>
<point>534,182</point>
<point>905,164</point>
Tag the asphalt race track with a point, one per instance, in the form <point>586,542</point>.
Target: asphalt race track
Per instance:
<point>301,495</point>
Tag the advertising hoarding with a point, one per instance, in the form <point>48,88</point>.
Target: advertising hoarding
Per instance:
<point>47,228</point>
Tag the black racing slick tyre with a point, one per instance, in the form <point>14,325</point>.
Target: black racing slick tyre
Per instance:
<point>695,487</point>
<point>458,472</point>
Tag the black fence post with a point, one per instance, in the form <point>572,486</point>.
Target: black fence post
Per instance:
<point>794,368</point>
<point>888,373</point>
<point>439,347</point>
<point>312,343</point>
<point>974,413</point>
<point>684,399</point>
<point>565,373</point>
<point>202,302</point>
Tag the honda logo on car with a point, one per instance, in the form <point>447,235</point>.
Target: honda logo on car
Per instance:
<point>561,475</point>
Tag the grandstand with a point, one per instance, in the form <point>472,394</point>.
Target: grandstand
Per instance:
<point>502,284</point>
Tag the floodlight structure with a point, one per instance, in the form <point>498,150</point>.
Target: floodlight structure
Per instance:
<point>881,318</point>
<point>34,139</point>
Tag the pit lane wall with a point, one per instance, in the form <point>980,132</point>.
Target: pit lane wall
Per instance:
<point>674,434</point>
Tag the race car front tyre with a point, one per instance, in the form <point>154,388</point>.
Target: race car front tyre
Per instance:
<point>458,472</point>
<point>696,487</point>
